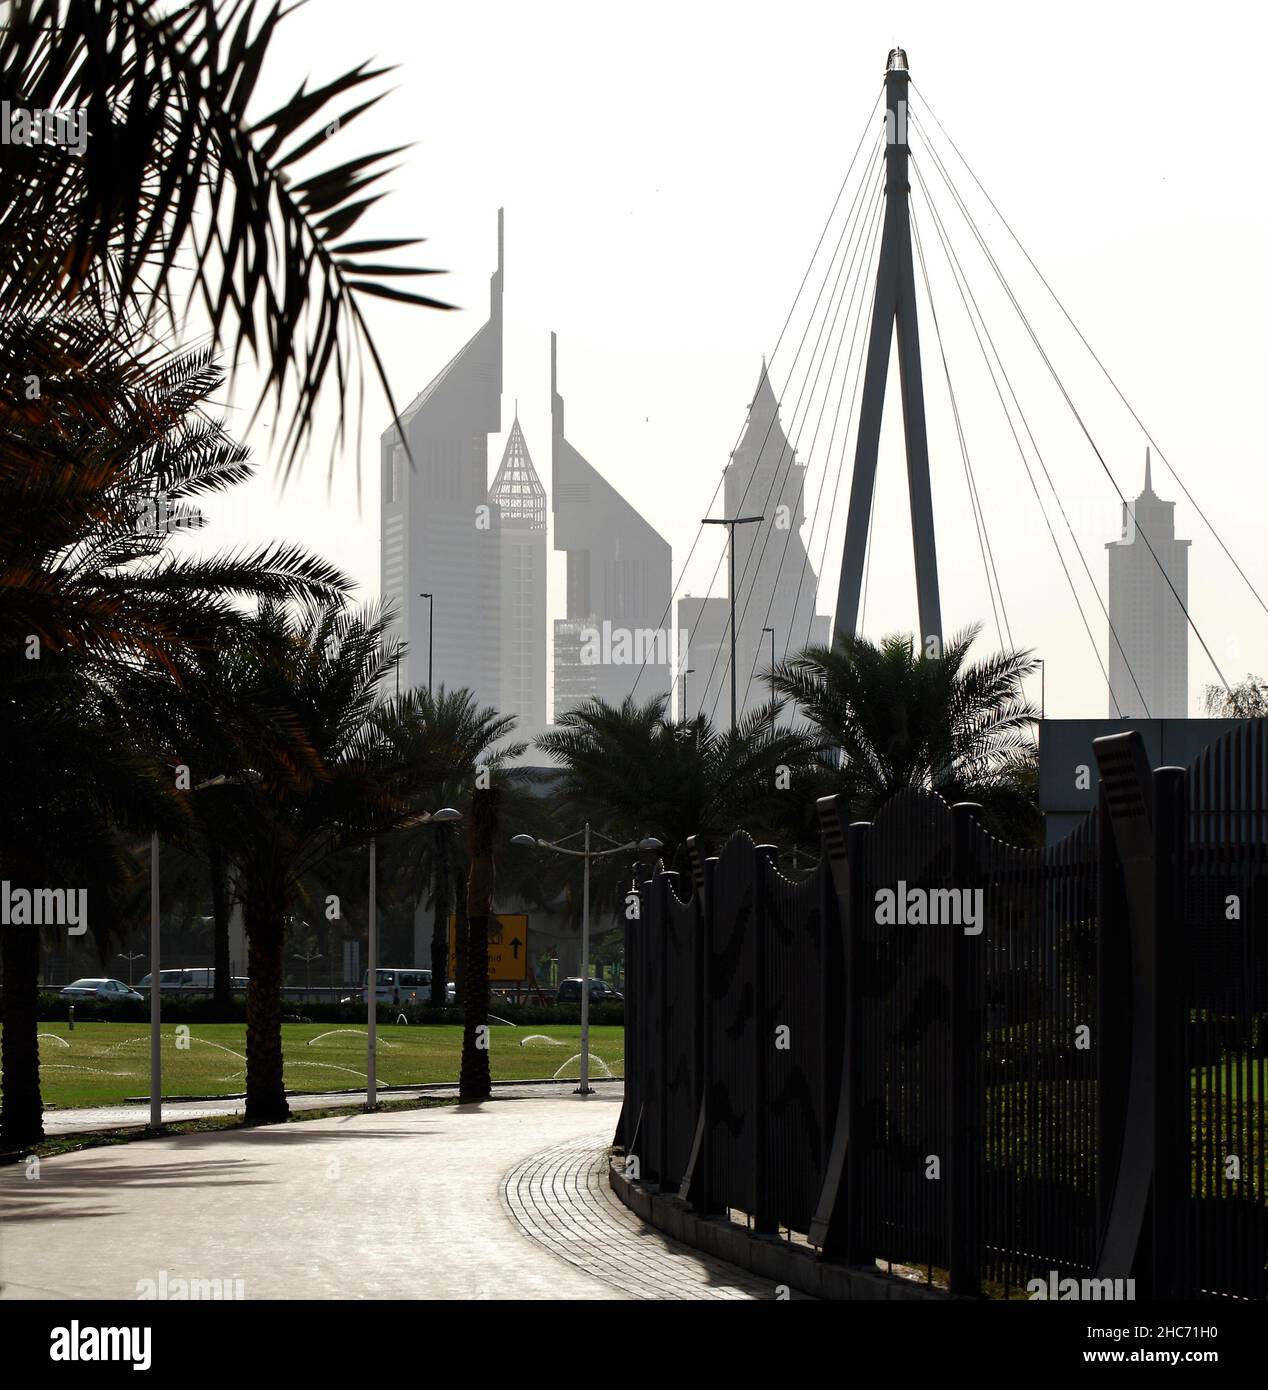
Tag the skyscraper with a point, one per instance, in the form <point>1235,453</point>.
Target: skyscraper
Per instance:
<point>1149,676</point>
<point>521,503</point>
<point>440,530</point>
<point>775,583</point>
<point>618,581</point>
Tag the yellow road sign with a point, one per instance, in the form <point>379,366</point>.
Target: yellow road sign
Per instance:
<point>508,948</point>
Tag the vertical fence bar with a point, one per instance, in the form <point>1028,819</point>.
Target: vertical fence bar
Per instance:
<point>765,1221</point>
<point>964,1072</point>
<point>662,890</point>
<point>1171,1105</point>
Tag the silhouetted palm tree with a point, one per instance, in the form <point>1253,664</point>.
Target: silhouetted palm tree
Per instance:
<point>323,781</point>
<point>438,743</point>
<point>178,159</point>
<point>899,719</point>
<point>103,454</point>
<point>633,771</point>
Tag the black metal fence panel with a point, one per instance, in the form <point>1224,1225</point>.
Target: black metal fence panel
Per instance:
<point>792,1038</point>
<point>1221,1231</point>
<point>943,1051</point>
<point>1036,1011</point>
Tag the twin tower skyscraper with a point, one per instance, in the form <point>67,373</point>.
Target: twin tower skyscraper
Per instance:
<point>463,560</point>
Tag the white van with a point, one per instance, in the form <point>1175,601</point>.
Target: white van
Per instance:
<point>401,985</point>
<point>192,980</point>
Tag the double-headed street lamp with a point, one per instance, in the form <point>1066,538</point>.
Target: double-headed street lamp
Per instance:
<point>647,845</point>
<point>446,813</point>
<point>731,522</point>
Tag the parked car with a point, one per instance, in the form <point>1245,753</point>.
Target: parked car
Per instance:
<point>403,985</point>
<point>108,991</point>
<point>569,992</point>
<point>192,980</point>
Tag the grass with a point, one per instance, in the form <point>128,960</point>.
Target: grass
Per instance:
<point>106,1063</point>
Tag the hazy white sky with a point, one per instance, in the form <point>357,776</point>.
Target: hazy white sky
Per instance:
<point>666,170</point>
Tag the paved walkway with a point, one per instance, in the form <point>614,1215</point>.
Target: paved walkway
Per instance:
<point>499,1200</point>
<point>89,1118</point>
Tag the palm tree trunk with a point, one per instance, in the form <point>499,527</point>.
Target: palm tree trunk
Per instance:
<point>440,928</point>
<point>223,991</point>
<point>21,1105</point>
<point>266,1089</point>
<point>475,1083</point>
<point>460,932</point>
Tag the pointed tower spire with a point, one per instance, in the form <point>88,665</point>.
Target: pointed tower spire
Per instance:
<point>517,488</point>
<point>1149,485</point>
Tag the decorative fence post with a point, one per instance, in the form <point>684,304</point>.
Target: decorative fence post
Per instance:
<point>835,1228</point>
<point>1150,1183</point>
<point>765,1221</point>
<point>695,1186</point>
<point>965,1072</point>
<point>661,888</point>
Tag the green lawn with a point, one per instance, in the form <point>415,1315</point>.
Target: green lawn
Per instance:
<point>102,1063</point>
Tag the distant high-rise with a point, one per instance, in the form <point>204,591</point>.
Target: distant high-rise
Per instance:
<point>521,503</point>
<point>618,581</point>
<point>776,585</point>
<point>1149,677</point>
<point>440,528</point>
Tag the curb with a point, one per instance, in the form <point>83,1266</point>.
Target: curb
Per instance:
<point>422,1086</point>
<point>767,1256</point>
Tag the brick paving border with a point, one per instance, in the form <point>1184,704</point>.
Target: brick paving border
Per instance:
<point>561,1199</point>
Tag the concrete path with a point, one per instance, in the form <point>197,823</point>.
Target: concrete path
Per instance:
<point>90,1118</point>
<point>402,1205</point>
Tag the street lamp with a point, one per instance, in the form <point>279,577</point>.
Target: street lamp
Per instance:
<point>156,984</point>
<point>648,845</point>
<point>771,630</point>
<point>431,627</point>
<point>446,813</point>
<point>130,956</point>
<point>732,523</point>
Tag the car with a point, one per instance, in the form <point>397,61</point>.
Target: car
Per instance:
<point>195,980</point>
<point>403,985</point>
<point>106,991</point>
<point>569,992</point>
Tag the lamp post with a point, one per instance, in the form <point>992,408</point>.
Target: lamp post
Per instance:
<point>156,983</point>
<point>771,630</point>
<point>446,813</point>
<point>690,671</point>
<point>731,523</point>
<point>648,845</point>
<point>431,627</point>
<point>130,956</point>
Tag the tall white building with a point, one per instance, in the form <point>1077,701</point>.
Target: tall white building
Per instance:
<point>775,584</point>
<point>1149,635</point>
<point>520,499</point>
<point>440,529</point>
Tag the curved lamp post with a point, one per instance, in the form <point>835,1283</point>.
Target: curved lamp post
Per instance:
<point>446,813</point>
<point>648,845</point>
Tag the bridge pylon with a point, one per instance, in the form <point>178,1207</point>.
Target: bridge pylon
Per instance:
<point>894,309</point>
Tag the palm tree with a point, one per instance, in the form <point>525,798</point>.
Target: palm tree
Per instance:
<point>177,159</point>
<point>900,719</point>
<point>323,782</point>
<point>437,743</point>
<point>635,771</point>
<point>92,600</point>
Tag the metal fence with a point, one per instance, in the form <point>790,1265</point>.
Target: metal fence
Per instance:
<point>995,1064</point>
